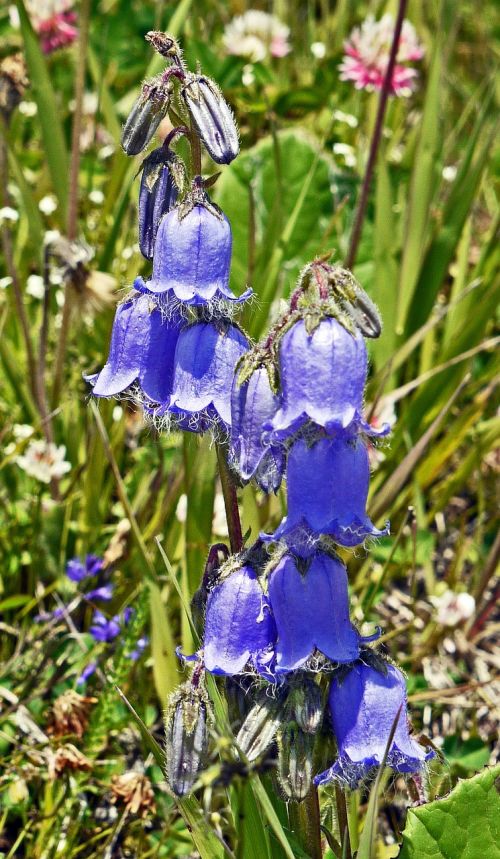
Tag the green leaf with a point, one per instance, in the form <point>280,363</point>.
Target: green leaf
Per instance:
<point>48,111</point>
<point>466,756</point>
<point>289,179</point>
<point>165,662</point>
<point>464,825</point>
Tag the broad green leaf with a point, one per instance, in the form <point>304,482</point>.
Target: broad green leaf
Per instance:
<point>467,756</point>
<point>165,662</point>
<point>464,825</point>
<point>48,112</point>
<point>290,183</point>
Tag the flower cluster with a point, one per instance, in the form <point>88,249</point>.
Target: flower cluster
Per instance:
<point>174,346</point>
<point>276,614</point>
<point>367,56</point>
<point>284,615</point>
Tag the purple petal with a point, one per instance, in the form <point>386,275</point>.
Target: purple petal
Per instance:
<point>311,611</point>
<point>103,629</point>
<point>205,360</point>
<point>86,673</point>
<point>238,626</point>
<point>157,195</point>
<point>76,570</point>
<point>363,706</point>
<point>93,564</point>
<point>105,593</point>
<point>322,375</point>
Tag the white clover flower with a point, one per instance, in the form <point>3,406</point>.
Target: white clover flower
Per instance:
<point>7,213</point>
<point>28,108</point>
<point>318,50</point>
<point>44,461</point>
<point>48,204</point>
<point>453,608</point>
<point>22,431</point>
<point>256,35</point>
<point>35,286</point>
<point>347,152</point>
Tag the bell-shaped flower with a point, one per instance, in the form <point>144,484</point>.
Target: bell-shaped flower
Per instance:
<point>323,374</point>
<point>311,611</point>
<point>253,402</point>
<point>239,627</point>
<point>192,257</point>
<point>327,488</point>
<point>205,360</point>
<point>363,707</point>
<point>142,351</point>
<point>157,195</point>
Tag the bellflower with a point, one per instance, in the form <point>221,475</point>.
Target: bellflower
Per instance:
<point>205,358</point>
<point>192,257</point>
<point>239,628</point>
<point>363,707</point>
<point>327,488</point>
<point>311,611</point>
<point>253,402</point>
<point>142,351</point>
<point>323,375</point>
<point>157,195</point>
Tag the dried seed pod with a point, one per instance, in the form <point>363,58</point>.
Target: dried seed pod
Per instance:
<point>157,195</point>
<point>212,117</point>
<point>144,118</point>
<point>260,726</point>
<point>186,735</point>
<point>295,761</point>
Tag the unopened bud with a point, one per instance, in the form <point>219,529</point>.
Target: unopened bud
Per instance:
<point>260,726</point>
<point>212,118</point>
<point>186,736</point>
<point>157,195</point>
<point>295,761</point>
<point>305,705</point>
<point>144,118</point>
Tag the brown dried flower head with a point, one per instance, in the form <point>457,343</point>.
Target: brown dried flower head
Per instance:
<point>67,757</point>
<point>134,790</point>
<point>13,82</point>
<point>70,714</point>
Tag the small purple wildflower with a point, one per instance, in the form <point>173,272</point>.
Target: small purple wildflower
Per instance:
<point>140,647</point>
<point>78,570</point>
<point>86,673</point>
<point>104,593</point>
<point>102,629</point>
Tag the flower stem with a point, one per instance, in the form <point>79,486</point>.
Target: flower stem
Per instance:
<point>375,141</point>
<point>72,222</point>
<point>230,500</point>
<point>305,822</point>
<point>343,822</point>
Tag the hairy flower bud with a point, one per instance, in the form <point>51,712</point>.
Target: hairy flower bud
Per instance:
<point>186,736</point>
<point>157,195</point>
<point>295,761</point>
<point>305,705</point>
<point>212,117</point>
<point>260,726</point>
<point>144,118</point>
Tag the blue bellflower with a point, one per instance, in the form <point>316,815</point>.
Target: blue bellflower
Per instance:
<point>192,257</point>
<point>363,706</point>
<point>205,358</point>
<point>322,376</point>
<point>327,489</point>
<point>239,628</point>
<point>311,612</point>
<point>142,351</point>
<point>252,404</point>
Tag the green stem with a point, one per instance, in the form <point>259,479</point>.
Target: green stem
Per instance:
<point>343,822</point>
<point>305,823</point>
<point>230,500</point>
